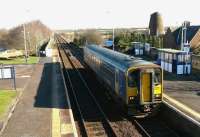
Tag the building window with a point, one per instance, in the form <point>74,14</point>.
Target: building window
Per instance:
<point>180,58</point>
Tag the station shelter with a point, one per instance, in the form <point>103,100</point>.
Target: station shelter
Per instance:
<point>175,61</point>
<point>139,48</point>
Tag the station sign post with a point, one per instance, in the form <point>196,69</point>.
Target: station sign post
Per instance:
<point>8,72</point>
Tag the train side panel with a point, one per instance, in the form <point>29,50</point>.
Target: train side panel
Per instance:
<point>104,70</point>
<point>122,85</point>
<point>108,73</point>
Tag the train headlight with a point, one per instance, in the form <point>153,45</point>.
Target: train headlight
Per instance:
<point>157,95</point>
<point>131,99</point>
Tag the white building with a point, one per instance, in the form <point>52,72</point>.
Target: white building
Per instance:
<point>175,61</point>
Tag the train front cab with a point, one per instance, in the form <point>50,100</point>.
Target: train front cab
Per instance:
<point>144,90</point>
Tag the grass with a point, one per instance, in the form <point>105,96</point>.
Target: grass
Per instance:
<point>20,60</point>
<point>6,97</point>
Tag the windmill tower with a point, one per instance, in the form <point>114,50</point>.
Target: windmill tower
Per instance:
<point>156,24</point>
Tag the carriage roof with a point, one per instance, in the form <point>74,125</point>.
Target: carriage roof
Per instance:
<point>122,61</point>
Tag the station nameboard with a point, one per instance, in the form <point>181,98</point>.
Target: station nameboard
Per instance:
<point>7,72</point>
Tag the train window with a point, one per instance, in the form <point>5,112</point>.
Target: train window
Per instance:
<point>132,79</point>
<point>157,76</point>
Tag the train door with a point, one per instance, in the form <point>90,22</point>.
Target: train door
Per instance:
<point>117,81</point>
<point>146,87</point>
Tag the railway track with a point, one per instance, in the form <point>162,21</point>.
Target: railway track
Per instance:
<point>94,121</point>
<point>125,125</point>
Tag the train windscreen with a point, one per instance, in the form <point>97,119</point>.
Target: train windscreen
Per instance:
<point>133,78</point>
<point>157,77</point>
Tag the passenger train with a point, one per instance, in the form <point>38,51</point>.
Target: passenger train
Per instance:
<point>137,83</point>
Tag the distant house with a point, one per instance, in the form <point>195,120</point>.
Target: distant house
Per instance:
<point>193,36</point>
<point>173,37</point>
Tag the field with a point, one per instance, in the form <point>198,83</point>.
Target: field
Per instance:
<point>6,97</point>
<point>20,60</point>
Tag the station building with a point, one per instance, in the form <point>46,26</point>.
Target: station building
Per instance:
<point>176,61</point>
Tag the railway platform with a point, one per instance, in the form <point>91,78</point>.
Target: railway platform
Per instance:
<point>44,108</point>
<point>184,95</point>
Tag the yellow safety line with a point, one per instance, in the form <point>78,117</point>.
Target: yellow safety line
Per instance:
<point>55,123</point>
<point>66,128</point>
<point>59,128</point>
<point>54,59</point>
<point>55,119</point>
<point>183,107</point>
<point>71,128</point>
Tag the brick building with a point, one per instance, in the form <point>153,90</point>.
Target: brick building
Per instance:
<point>172,38</point>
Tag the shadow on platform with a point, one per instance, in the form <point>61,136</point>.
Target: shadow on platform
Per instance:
<point>51,93</point>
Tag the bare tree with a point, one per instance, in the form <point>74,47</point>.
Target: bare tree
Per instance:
<point>92,36</point>
<point>13,38</point>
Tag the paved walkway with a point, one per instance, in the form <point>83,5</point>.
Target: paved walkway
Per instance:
<point>42,110</point>
<point>185,96</point>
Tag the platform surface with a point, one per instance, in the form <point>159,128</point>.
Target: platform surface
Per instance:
<point>184,90</point>
<point>43,109</point>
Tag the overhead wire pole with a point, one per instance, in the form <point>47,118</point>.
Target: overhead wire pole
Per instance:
<point>113,38</point>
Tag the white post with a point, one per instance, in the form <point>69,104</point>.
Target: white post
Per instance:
<point>25,42</point>
<point>113,38</point>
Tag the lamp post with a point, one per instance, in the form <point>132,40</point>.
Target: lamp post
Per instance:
<point>25,46</point>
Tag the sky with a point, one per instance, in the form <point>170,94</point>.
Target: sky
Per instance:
<point>75,14</point>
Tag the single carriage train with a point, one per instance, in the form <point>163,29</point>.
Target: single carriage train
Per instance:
<point>138,83</point>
